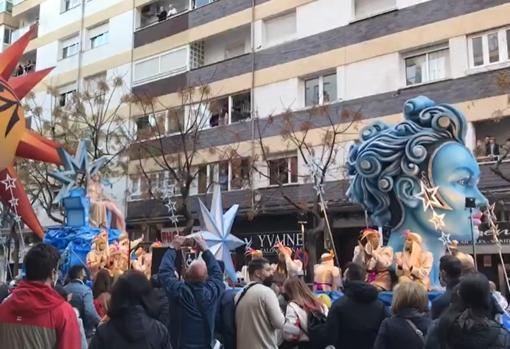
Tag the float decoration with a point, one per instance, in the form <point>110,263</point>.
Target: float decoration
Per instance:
<point>217,226</point>
<point>416,175</point>
<point>16,140</point>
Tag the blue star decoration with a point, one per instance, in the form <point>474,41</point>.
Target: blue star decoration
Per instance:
<point>73,167</point>
<point>216,231</point>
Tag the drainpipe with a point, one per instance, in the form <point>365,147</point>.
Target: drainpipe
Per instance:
<point>82,42</point>
<point>252,97</point>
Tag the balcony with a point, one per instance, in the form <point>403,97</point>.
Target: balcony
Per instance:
<point>21,7</point>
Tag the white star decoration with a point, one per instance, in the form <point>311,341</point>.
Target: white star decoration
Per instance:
<point>217,228</point>
<point>429,197</point>
<point>445,239</point>
<point>13,202</point>
<point>437,220</point>
<point>9,182</point>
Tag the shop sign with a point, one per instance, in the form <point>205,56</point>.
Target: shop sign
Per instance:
<point>265,241</point>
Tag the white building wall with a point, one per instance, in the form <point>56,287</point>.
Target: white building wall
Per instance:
<point>322,15</point>
<point>277,98</point>
<point>459,57</point>
<point>407,3</point>
<point>51,18</point>
<point>373,76</point>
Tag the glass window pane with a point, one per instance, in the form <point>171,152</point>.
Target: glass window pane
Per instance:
<point>312,92</point>
<point>175,120</point>
<point>223,175</point>
<point>329,93</point>
<point>416,70</point>
<point>293,169</point>
<point>241,107</point>
<point>493,47</point>
<point>202,179</point>
<point>477,51</point>
<point>438,64</point>
<point>508,42</point>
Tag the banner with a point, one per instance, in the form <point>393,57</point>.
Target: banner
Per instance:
<point>265,241</point>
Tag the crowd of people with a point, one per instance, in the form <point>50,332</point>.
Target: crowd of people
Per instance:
<point>198,310</point>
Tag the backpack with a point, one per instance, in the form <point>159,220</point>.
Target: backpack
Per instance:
<point>316,328</point>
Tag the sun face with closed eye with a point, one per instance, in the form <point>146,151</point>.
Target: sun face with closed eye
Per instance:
<point>16,140</point>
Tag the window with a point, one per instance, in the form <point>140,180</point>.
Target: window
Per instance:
<point>93,84</point>
<point>283,170</point>
<point>200,3</point>
<point>143,127</point>
<point>240,178</point>
<point>168,63</point>
<point>489,48</point>
<point>229,175</point>
<point>70,47</point>
<point>279,29</point>
<point>70,4</point>
<point>98,36</point>
<point>66,94</point>
<point>175,121</point>
<point>320,90</point>
<point>139,187</point>
<point>429,66</point>
<point>230,109</point>
<point>367,8</point>
<point>8,35</point>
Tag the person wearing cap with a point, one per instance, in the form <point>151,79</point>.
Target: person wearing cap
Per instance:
<point>414,263</point>
<point>327,277</point>
<point>376,258</point>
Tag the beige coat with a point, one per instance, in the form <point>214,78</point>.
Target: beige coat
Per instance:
<point>378,264</point>
<point>415,266</point>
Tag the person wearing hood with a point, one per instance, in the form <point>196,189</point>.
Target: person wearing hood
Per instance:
<point>132,316</point>
<point>410,321</point>
<point>194,299</point>
<point>450,270</point>
<point>35,316</point>
<point>354,320</point>
<point>466,324</point>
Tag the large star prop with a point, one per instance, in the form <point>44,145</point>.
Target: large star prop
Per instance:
<point>73,167</point>
<point>217,226</point>
<point>438,220</point>
<point>16,140</point>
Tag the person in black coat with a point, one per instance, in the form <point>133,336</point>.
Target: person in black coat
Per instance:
<point>164,306</point>
<point>225,320</point>
<point>410,321</point>
<point>133,311</point>
<point>467,324</point>
<point>354,320</point>
<point>450,269</point>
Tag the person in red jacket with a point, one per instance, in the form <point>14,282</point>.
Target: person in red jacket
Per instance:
<point>35,315</point>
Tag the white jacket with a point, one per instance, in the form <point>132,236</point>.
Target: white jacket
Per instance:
<point>296,323</point>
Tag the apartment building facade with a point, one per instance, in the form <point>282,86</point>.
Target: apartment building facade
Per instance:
<point>275,60</point>
<point>264,59</point>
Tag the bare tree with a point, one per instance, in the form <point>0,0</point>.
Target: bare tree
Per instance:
<point>172,138</point>
<point>318,136</point>
<point>96,113</point>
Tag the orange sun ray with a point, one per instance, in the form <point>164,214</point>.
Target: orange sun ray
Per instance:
<point>33,146</point>
<point>23,84</point>
<point>24,208</point>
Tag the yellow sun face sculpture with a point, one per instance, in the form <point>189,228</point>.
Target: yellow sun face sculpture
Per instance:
<point>16,140</point>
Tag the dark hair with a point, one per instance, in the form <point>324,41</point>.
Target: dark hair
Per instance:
<point>40,261</point>
<point>473,300</point>
<point>355,272</point>
<point>451,265</point>
<point>256,264</point>
<point>132,288</point>
<point>102,283</point>
<point>75,271</point>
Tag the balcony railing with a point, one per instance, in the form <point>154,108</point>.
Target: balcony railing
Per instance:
<point>19,32</point>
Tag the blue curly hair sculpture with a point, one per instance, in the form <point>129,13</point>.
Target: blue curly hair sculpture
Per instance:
<point>389,163</point>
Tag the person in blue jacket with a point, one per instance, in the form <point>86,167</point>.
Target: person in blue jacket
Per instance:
<point>193,300</point>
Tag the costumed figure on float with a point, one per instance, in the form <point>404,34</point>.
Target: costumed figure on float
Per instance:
<point>414,263</point>
<point>416,176</point>
<point>326,276</point>
<point>286,266</point>
<point>376,258</point>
